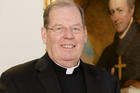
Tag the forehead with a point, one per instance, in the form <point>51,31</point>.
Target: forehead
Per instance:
<point>65,12</point>
<point>117,4</point>
<point>64,8</point>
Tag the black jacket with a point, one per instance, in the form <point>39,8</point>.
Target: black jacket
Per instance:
<point>38,76</point>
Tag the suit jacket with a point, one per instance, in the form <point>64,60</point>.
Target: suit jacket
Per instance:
<point>129,49</point>
<point>38,76</point>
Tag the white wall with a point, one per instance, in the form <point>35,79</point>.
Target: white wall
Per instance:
<point>20,32</point>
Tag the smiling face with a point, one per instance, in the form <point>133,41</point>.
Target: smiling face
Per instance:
<point>65,47</point>
<point>121,14</point>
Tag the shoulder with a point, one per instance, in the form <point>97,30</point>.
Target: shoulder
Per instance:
<point>109,49</point>
<point>102,76</point>
<point>20,70</point>
<point>27,69</point>
<point>137,25</point>
<point>107,54</point>
<point>136,29</point>
<point>99,72</point>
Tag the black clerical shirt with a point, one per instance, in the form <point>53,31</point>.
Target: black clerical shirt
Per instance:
<point>70,83</point>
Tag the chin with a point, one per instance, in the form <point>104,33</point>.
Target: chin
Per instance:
<point>69,58</point>
<point>119,30</point>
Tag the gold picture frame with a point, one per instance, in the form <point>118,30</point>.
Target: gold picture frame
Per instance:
<point>47,2</point>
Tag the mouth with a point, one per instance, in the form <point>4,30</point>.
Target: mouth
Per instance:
<point>68,46</point>
<point>118,24</point>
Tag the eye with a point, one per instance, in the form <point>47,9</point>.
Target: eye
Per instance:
<point>76,29</point>
<point>119,10</point>
<point>58,28</point>
<point>111,12</point>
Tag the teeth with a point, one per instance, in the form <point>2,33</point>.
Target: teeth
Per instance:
<point>68,46</point>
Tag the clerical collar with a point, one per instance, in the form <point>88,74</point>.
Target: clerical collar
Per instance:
<point>127,29</point>
<point>69,70</point>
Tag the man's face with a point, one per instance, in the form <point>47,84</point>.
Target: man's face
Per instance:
<point>65,42</point>
<point>120,14</point>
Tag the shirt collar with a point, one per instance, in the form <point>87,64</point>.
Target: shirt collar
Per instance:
<point>127,29</point>
<point>69,70</point>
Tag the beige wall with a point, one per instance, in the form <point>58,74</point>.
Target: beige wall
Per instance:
<point>20,27</point>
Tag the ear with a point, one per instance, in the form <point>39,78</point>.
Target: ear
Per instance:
<point>132,10</point>
<point>85,33</point>
<point>44,35</point>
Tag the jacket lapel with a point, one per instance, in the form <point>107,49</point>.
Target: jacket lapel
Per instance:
<point>47,75</point>
<point>91,79</point>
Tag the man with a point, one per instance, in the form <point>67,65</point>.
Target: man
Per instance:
<point>2,88</point>
<point>60,70</point>
<point>125,49</point>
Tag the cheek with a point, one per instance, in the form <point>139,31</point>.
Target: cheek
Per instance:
<point>126,17</point>
<point>113,19</point>
<point>126,20</point>
<point>51,40</point>
<point>81,39</point>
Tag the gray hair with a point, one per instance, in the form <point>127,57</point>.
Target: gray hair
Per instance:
<point>130,3</point>
<point>61,4</point>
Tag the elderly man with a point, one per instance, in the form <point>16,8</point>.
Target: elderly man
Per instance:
<point>60,70</point>
<point>122,57</point>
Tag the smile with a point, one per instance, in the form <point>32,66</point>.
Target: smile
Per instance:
<point>69,46</point>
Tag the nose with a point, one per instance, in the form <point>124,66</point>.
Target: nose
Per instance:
<point>115,18</point>
<point>68,34</point>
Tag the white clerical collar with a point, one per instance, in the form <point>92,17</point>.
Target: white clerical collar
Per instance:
<point>69,70</point>
<point>127,29</point>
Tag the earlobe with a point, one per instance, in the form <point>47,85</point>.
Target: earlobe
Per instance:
<point>85,31</point>
<point>43,34</point>
<point>132,10</point>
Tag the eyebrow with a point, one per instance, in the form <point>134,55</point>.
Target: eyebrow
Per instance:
<point>119,8</point>
<point>78,24</point>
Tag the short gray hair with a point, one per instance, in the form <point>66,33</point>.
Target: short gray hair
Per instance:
<point>61,4</point>
<point>130,3</point>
